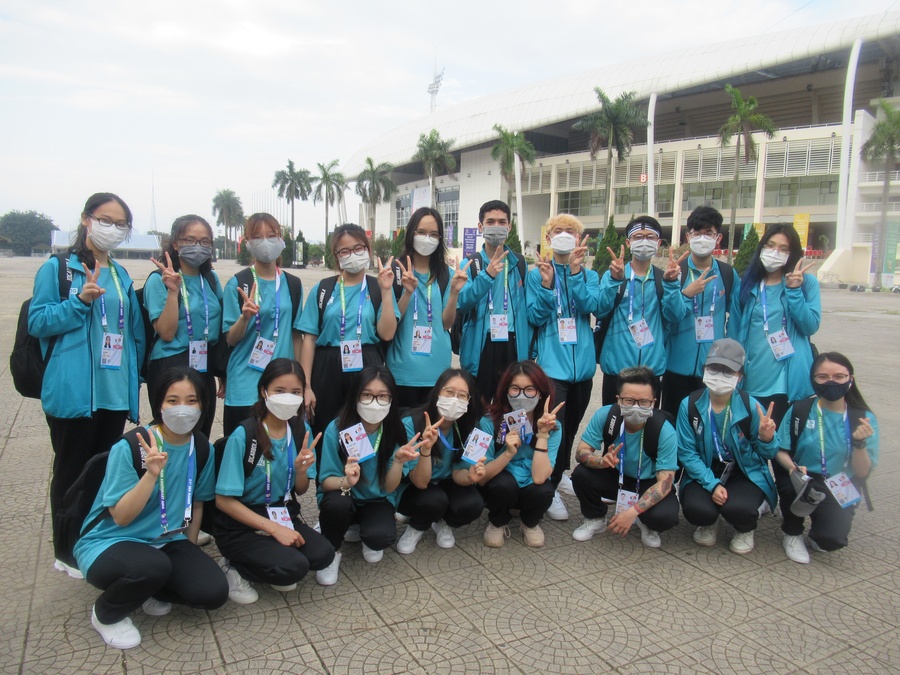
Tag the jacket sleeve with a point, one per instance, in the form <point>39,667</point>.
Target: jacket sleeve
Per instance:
<point>47,316</point>
<point>137,325</point>
<point>584,288</point>
<point>606,294</point>
<point>674,308</point>
<point>733,323</point>
<point>539,304</point>
<point>474,291</point>
<point>805,305</point>
<point>689,452</point>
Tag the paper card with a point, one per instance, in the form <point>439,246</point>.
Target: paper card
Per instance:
<point>781,346</point>
<point>477,445</point>
<point>499,328</point>
<point>111,352</point>
<point>568,334</point>
<point>843,489</point>
<point>421,342</point>
<point>518,421</point>
<point>262,353</point>
<point>351,356</point>
<point>704,329</point>
<point>625,500</point>
<point>280,515</point>
<point>197,355</point>
<point>356,442</point>
<point>640,332</point>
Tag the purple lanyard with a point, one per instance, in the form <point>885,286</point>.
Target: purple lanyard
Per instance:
<point>189,491</point>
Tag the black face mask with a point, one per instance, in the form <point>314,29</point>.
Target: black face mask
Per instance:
<point>832,391</point>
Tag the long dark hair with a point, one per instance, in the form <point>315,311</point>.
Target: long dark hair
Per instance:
<point>437,261</point>
<point>538,378</point>
<point>464,424</point>
<point>853,397</point>
<point>393,432</point>
<point>166,380</point>
<point>275,369</point>
<point>755,271</point>
<point>179,227</point>
<point>79,247</point>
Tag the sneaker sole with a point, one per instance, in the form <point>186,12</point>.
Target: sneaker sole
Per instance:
<point>243,600</point>
<point>71,571</point>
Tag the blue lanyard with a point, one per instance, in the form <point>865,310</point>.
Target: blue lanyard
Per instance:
<point>721,449</point>
<point>505,290</point>
<point>447,441</point>
<point>637,483</point>
<point>276,302</point>
<point>103,321</point>
<point>291,452</point>
<point>631,294</point>
<point>189,491</point>
<point>187,308</point>
<point>847,436</point>
<point>712,304</point>
<point>363,292</point>
<point>765,309</point>
<point>559,293</point>
<point>416,306</point>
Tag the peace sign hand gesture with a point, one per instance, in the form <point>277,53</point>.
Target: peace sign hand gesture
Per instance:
<point>545,267</point>
<point>496,265</point>
<point>547,422</point>
<point>617,264</point>
<point>386,273</point>
<point>307,455</point>
<point>795,279</point>
<point>611,459</point>
<point>91,290</point>
<point>407,279</point>
<point>766,424</point>
<point>460,276</point>
<point>673,269</point>
<point>576,258</point>
<point>410,451</point>
<point>698,285</point>
<point>430,435</point>
<point>154,460</point>
<point>170,278</point>
<point>249,309</point>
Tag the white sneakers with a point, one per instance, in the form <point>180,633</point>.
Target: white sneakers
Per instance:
<point>73,572</point>
<point>741,543</point>
<point>796,549</point>
<point>329,576</point>
<point>204,538</point>
<point>444,534</point>
<point>533,536</point>
<point>407,543</point>
<point>119,635</point>
<point>411,537</point>
<point>286,588</point>
<point>706,536</point>
<point>352,534</point>
<point>649,538</point>
<point>370,555</point>
<point>240,590</point>
<point>558,510</point>
<point>494,537</point>
<point>565,485</point>
<point>154,607</point>
<point>589,528</point>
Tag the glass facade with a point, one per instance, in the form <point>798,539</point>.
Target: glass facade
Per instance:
<point>801,191</point>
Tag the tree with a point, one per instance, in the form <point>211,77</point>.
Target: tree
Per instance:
<point>744,118</point>
<point>884,143</point>
<point>437,158</point>
<point>329,187</point>
<point>382,247</point>
<point>513,241</point>
<point>330,261</point>
<point>398,244</point>
<point>613,124</point>
<point>746,251</point>
<point>25,229</point>
<point>612,239</point>
<point>316,252</point>
<point>292,184</point>
<point>512,150</point>
<point>229,212</point>
<point>374,186</point>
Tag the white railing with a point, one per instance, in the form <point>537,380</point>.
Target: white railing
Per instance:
<point>877,176</point>
<point>875,207</point>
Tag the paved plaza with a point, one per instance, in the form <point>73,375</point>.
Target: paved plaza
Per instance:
<point>607,605</point>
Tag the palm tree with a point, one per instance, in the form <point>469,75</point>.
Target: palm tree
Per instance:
<point>374,186</point>
<point>614,124</point>
<point>512,150</point>
<point>437,158</point>
<point>229,211</point>
<point>744,118</point>
<point>884,143</point>
<point>329,187</point>
<point>292,184</point>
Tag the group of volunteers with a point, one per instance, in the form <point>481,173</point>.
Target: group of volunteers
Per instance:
<point>708,379</point>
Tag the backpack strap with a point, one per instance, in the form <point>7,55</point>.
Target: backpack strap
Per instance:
<point>374,293</point>
<point>244,281</point>
<point>605,321</point>
<point>744,424</point>
<point>64,278</point>
<point>799,414</point>
<point>697,421</point>
<point>611,428</point>
<point>326,290</point>
<point>397,275</point>
<point>251,446</point>
<point>295,290</point>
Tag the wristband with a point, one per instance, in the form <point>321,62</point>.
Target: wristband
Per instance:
<point>344,491</point>
<point>541,450</point>
<point>423,455</point>
<point>859,445</point>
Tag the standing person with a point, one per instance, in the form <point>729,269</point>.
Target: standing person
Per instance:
<point>439,489</point>
<point>520,461</point>
<point>638,302</point>
<point>640,449</point>
<point>420,350</point>
<point>352,311</point>
<point>832,439</point>
<point>561,296</point>
<point>89,389</point>
<point>141,552</point>
<point>710,290</point>
<point>259,529</point>
<point>184,302</point>
<point>495,331</point>
<point>260,305</point>
<point>725,440</point>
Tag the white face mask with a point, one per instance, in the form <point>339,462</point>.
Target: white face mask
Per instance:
<point>181,419</point>
<point>772,260</point>
<point>635,414</point>
<point>563,243</point>
<point>372,412</point>
<point>522,402</point>
<point>644,249</point>
<point>495,235</point>
<point>720,384</point>
<point>283,406</point>
<point>451,408</point>
<point>357,262</point>
<point>106,237</point>
<point>702,244</point>
<point>425,245</point>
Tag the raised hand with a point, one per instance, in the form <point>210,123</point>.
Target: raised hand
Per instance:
<point>547,422</point>
<point>407,279</point>
<point>766,424</point>
<point>864,430</point>
<point>154,460</point>
<point>611,459</point>
<point>91,290</point>
<point>698,285</point>
<point>170,278</point>
<point>577,256</point>
<point>496,265</point>
<point>795,279</point>
<point>431,433</point>
<point>351,471</point>
<point>385,273</point>
<point>307,455</point>
<point>476,471</point>
<point>460,276</point>
<point>673,269</point>
<point>249,309</point>
<point>513,442</point>
<point>617,264</point>
<point>410,451</point>
<point>545,267</point>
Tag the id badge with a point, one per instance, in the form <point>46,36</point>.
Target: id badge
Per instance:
<point>351,356</point>
<point>625,500</point>
<point>421,342</point>
<point>640,333</point>
<point>165,536</point>
<point>843,489</point>
<point>704,329</point>
<point>726,472</point>
<point>476,447</point>
<point>499,328</point>
<point>781,346</point>
<point>567,331</point>
<point>261,354</point>
<point>280,515</point>
<point>197,355</point>
<point>356,442</point>
<point>111,353</point>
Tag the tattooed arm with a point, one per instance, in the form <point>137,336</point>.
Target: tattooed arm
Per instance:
<point>622,522</point>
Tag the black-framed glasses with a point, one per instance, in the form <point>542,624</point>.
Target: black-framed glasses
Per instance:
<point>431,235</point>
<point>121,224</point>
<point>190,241</point>
<point>530,391</point>
<point>345,253</point>
<point>721,369</point>
<point>639,402</point>
<point>840,378</point>
<point>383,399</point>
<point>449,392</point>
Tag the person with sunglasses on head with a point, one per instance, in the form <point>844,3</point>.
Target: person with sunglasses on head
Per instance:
<point>89,388</point>
<point>351,310</point>
<point>725,441</point>
<point>439,489</point>
<point>828,445</point>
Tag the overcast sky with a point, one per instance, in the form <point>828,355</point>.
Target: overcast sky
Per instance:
<point>197,96</point>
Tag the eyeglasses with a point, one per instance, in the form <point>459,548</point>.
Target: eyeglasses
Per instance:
<point>530,391</point>
<point>644,237</point>
<point>719,368</point>
<point>450,393</point>
<point>345,253</point>
<point>190,241</point>
<point>431,235</point>
<point>639,402</point>
<point>383,399</point>
<point>771,246</point>
<point>103,220</point>
<point>272,237</point>
<point>840,378</point>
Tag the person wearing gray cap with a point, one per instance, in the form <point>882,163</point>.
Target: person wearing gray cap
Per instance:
<point>725,440</point>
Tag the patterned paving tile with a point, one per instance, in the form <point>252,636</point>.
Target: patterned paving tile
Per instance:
<point>374,651</point>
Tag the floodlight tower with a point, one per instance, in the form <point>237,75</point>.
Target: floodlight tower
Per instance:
<point>435,86</point>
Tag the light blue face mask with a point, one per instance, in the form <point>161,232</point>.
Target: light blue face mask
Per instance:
<point>266,250</point>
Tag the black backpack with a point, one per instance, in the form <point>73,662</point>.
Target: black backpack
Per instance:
<point>601,327</point>
<point>697,420</point>
<point>326,290</point>
<point>251,456</point>
<point>26,362</point>
<point>79,498</point>
<point>652,429</point>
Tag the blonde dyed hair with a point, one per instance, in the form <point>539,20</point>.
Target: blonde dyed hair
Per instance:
<point>565,220</point>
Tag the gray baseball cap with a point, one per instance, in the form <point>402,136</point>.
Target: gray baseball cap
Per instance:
<point>726,352</point>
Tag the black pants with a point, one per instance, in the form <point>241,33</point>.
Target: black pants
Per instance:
<point>260,558</point>
<point>337,513</point>
<point>157,367</point>
<point>332,386</point>
<point>782,475</point>
<point>610,389</point>
<point>577,396</point>
<point>829,523</point>
<point>502,493</point>
<point>495,358</point>
<point>593,485</point>
<point>75,441</point>
<point>741,509</point>
<point>675,388</point>
<point>456,505</point>
<point>129,573</point>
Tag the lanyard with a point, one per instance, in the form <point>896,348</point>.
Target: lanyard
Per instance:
<point>847,436</point>
<point>291,452</point>
<point>718,441</point>
<point>447,441</point>
<point>765,309</point>
<point>275,302</point>
<point>505,290</point>
<point>416,306</point>
<point>187,308</point>
<point>559,292</point>
<point>631,294</point>
<point>115,278</point>
<point>712,303</point>
<point>363,291</point>
<point>637,484</point>
<point>189,490</point>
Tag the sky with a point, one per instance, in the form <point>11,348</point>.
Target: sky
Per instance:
<point>167,102</point>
